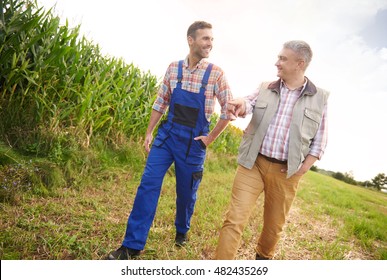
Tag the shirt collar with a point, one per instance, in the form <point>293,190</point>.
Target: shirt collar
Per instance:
<point>200,64</point>
<point>308,88</point>
<point>301,88</point>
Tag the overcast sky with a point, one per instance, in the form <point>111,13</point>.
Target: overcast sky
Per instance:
<point>348,38</point>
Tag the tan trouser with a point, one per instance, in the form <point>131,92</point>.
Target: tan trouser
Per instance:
<point>248,185</point>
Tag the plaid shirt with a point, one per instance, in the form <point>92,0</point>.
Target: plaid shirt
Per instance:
<point>192,80</point>
<point>276,141</point>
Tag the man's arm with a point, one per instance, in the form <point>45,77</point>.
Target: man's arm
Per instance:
<point>240,107</point>
<point>317,147</point>
<point>236,107</point>
<point>154,120</point>
<point>306,165</point>
<point>218,129</point>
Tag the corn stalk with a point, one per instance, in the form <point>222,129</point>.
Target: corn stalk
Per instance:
<point>57,86</point>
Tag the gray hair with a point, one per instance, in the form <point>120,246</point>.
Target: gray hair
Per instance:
<point>302,49</point>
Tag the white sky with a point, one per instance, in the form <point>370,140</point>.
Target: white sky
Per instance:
<point>348,38</point>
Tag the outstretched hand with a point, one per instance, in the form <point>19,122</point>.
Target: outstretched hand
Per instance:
<point>236,107</point>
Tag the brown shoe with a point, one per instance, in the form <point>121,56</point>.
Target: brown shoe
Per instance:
<point>258,257</point>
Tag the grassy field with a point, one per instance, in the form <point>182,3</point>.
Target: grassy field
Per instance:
<point>71,159</point>
<point>329,219</point>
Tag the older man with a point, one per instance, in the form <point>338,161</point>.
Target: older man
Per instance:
<point>286,135</point>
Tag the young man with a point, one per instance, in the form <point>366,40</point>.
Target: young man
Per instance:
<point>286,135</point>
<point>189,90</point>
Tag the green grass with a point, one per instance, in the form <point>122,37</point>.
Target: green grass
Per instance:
<point>359,214</point>
<point>71,158</point>
<point>329,219</point>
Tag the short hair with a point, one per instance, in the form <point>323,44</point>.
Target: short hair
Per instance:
<point>197,25</point>
<point>302,49</point>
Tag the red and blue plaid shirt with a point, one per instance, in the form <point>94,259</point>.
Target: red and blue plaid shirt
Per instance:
<point>217,87</point>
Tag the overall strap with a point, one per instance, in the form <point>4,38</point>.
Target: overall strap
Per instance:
<point>205,78</point>
<point>180,73</point>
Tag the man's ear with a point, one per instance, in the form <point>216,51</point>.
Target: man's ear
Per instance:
<point>190,40</point>
<point>301,64</point>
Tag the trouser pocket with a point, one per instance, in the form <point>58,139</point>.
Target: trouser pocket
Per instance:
<point>162,135</point>
<point>196,179</point>
<point>196,152</point>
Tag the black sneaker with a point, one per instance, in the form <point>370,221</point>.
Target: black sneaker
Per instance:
<point>181,239</point>
<point>123,253</point>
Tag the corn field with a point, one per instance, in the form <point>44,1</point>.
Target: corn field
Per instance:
<point>56,87</point>
<point>67,110</point>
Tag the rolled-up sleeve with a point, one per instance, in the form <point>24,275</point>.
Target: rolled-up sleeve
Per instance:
<point>250,101</point>
<point>164,94</point>
<point>223,94</point>
<point>320,141</point>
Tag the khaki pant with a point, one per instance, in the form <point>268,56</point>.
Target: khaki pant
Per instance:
<point>248,185</point>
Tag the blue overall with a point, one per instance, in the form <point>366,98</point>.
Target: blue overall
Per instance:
<point>174,142</point>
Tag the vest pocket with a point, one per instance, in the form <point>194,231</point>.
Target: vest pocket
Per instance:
<point>244,147</point>
<point>258,113</point>
<point>310,125</point>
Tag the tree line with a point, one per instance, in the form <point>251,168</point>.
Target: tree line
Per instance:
<point>379,182</point>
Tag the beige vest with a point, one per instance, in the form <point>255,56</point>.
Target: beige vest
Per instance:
<point>307,116</point>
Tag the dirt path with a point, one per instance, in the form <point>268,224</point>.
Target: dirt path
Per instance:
<point>303,238</point>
